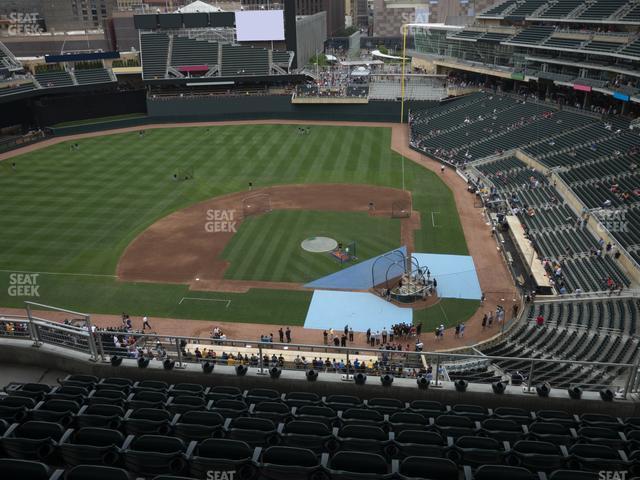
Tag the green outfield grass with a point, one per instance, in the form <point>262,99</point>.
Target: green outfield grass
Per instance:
<point>69,212</point>
<point>268,247</point>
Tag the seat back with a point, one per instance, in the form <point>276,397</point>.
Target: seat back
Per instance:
<point>98,437</point>
<point>290,456</point>
<point>435,468</point>
<point>499,472</point>
<point>24,469</point>
<point>224,448</point>
<point>359,462</point>
<point>93,472</point>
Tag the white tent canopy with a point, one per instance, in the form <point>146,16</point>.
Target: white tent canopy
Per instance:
<point>198,6</point>
<point>378,53</point>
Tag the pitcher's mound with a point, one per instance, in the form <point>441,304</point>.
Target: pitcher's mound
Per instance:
<point>319,244</point>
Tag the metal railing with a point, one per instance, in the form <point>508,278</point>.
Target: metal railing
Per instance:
<point>560,374</point>
<point>438,367</point>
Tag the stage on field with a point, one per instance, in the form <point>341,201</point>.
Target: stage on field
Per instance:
<point>456,275</point>
<point>359,310</point>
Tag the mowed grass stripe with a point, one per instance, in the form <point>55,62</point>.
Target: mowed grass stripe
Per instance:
<point>280,263</point>
<point>275,251</point>
<point>284,260</point>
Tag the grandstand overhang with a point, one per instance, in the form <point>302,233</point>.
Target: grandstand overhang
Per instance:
<point>582,21</point>
<point>449,62</point>
<point>329,100</point>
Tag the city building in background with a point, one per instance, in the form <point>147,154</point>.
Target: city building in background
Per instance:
<point>390,15</point>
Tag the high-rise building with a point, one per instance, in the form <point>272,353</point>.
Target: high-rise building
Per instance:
<point>64,15</point>
<point>360,13</point>
<point>390,15</point>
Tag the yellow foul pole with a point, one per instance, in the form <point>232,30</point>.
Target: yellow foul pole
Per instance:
<point>404,52</point>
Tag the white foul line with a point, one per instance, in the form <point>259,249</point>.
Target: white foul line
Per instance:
<point>61,273</point>
<point>433,220</point>
<point>228,302</point>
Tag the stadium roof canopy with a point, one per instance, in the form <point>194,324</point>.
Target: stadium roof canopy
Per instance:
<point>198,6</point>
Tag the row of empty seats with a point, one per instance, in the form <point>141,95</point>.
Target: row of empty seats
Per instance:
<point>233,60</point>
<point>596,331</point>
<point>337,437</point>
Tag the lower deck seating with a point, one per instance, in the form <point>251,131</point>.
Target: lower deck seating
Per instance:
<point>98,75</point>
<point>54,79</point>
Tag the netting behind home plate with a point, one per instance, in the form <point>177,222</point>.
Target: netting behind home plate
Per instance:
<point>387,267</point>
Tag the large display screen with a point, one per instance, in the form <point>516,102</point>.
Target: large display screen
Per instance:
<point>260,25</point>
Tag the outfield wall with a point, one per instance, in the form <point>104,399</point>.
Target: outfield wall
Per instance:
<point>253,107</point>
<point>250,107</point>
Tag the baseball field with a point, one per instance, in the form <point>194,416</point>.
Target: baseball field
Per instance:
<point>68,213</point>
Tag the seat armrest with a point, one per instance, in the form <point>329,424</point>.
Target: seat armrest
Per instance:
<point>10,430</point>
<point>66,436</point>
<point>565,452</point>
<point>57,474</point>
<point>190,449</point>
<point>175,419</point>
<point>467,472</point>
<point>128,441</point>
<point>256,454</point>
